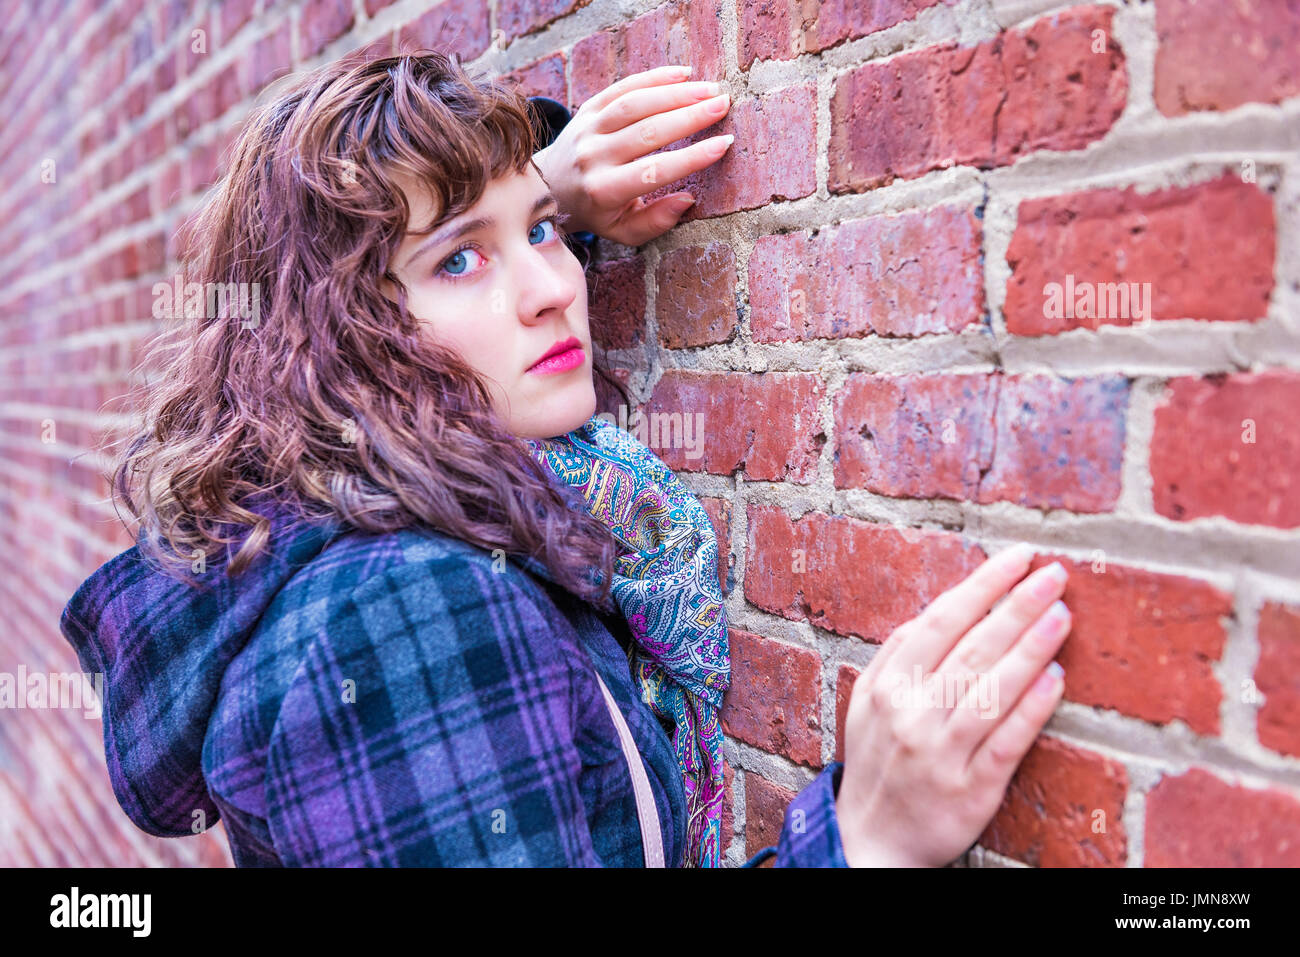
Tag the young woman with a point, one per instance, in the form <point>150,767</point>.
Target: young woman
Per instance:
<point>399,597</point>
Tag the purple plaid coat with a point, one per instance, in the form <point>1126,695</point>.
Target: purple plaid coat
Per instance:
<point>385,700</point>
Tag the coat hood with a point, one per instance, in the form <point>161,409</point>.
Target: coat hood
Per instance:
<point>163,646</point>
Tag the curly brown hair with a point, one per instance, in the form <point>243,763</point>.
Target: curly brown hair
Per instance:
<point>334,401</point>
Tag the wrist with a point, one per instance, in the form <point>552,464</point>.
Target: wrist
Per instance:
<point>860,849</point>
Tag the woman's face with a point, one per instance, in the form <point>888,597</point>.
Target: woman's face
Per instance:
<point>503,292</point>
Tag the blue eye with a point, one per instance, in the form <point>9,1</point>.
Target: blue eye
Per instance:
<point>543,223</point>
<point>455,275</point>
<point>458,255</point>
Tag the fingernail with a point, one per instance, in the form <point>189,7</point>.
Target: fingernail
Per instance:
<point>1048,580</point>
<point>1046,683</point>
<point>683,203</point>
<point>1017,554</point>
<point>686,70</point>
<point>727,140</point>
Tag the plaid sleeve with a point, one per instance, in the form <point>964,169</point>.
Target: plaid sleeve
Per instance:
<point>810,835</point>
<point>431,723</point>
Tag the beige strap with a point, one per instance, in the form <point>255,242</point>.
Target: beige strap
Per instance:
<point>646,812</point>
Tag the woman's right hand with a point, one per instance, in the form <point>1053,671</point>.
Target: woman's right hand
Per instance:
<point>924,774</point>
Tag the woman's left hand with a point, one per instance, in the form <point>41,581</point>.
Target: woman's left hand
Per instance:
<point>598,166</point>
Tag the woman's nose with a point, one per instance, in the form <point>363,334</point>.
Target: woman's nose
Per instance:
<point>544,284</point>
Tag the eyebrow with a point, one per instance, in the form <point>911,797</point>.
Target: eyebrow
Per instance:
<point>472,225</point>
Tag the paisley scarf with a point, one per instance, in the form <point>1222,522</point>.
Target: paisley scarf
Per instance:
<point>666,585</point>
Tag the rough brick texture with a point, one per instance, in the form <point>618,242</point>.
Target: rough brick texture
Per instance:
<point>1063,808</point>
<point>1113,241</point>
<point>953,285</point>
<point>1198,820</point>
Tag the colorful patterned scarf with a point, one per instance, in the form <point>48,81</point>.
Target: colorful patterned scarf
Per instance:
<point>666,584</point>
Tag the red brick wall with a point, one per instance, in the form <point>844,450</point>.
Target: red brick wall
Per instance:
<point>857,306</point>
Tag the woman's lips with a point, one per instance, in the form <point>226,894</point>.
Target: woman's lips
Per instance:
<point>562,362</point>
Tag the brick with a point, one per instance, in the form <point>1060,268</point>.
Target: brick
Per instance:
<point>1217,56</point>
<point>1141,642</point>
<point>797,569</point>
<point>1037,88</point>
<point>765,805</point>
<point>608,399</point>
<point>234,15</point>
<point>844,680</point>
<point>1032,440</point>
<point>1199,820</point>
<point>517,17</point>
<point>774,155</point>
<point>696,302</point>
<point>774,700</point>
<point>1277,678</point>
<point>1111,236</point>
<point>901,275</point>
<point>766,425</point>
<point>271,57</point>
<point>320,23</point>
<point>783,30</point>
<point>679,32</point>
<point>1064,807</point>
<point>544,77</point>
<point>1227,445</point>
<point>196,47</point>
<point>719,512</point>
<point>616,310</point>
<point>459,26</point>
<point>728,803</point>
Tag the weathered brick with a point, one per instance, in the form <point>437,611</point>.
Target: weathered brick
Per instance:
<point>1227,445</point>
<point>1142,642</point>
<point>767,425</point>
<point>774,700</point>
<point>774,156</point>
<point>616,302</point>
<point>271,57</point>
<point>459,26</point>
<point>1277,678</point>
<point>798,570</point>
<point>719,512</point>
<point>696,303</point>
<point>782,30</point>
<point>728,803</point>
<point>517,17</point>
<point>1105,237</point>
<point>1064,807</point>
<point>901,275</point>
<point>1033,440</point>
<point>320,23</point>
<point>1037,88</point>
<point>1217,56</point>
<point>544,77</point>
<point>677,32</point>
<point>1196,819</point>
<point>765,806</point>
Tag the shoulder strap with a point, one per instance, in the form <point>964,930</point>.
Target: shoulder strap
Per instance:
<point>646,812</point>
